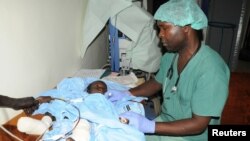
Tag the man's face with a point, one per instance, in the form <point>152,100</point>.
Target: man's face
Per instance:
<point>172,36</point>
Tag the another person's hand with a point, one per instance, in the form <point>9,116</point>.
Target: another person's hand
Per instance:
<point>28,111</point>
<point>39,100</point>
<point>115,95</point>
<point>140,122</point>
<point>44,99</point>
<point>28,104</point>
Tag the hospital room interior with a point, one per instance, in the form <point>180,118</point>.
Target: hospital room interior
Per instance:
<point>42,42</point>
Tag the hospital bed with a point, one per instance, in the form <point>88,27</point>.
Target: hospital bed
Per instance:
<point>137,32</point>
<point>74,85</point>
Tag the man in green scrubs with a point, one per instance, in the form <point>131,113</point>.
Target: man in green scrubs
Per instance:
<point>193,78</point>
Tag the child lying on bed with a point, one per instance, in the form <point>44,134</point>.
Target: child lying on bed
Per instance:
<point>101,114</point>
<point>121,103</point>
<point>122,100</point>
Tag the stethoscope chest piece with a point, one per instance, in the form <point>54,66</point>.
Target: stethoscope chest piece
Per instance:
<point>174,89</point>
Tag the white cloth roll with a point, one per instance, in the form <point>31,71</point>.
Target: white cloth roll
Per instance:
<point>33,126</point>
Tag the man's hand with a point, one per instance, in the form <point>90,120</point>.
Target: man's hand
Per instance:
<point>140,122</point>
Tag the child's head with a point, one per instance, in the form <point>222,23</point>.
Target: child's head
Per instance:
<point>97,87</point>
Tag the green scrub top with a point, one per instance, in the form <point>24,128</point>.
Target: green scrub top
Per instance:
<point>202,90</point>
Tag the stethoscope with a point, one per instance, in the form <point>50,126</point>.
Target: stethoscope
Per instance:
<point>170,72</point>
<point>169,76</point>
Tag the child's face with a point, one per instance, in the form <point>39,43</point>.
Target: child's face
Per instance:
<point>98,87</point>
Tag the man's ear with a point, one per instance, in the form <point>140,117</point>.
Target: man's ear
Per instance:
<point>186,28</point>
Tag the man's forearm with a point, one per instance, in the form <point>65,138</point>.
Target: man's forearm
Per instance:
<point>147,89</point>
<point>191,126</point>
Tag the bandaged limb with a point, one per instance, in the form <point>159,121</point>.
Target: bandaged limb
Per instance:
<point>33,126</point>
<point>81,132</point>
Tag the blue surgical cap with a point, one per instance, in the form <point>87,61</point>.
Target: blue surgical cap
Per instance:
<point>181,13</point>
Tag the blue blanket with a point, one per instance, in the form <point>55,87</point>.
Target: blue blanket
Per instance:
<point>76,103</point>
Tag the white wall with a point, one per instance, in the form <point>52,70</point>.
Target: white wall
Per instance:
<point>40,44</point>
